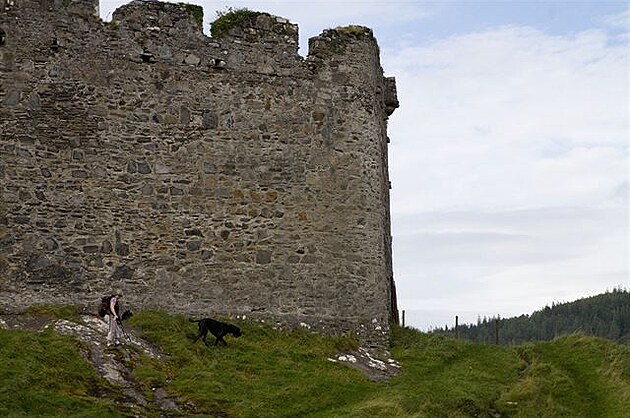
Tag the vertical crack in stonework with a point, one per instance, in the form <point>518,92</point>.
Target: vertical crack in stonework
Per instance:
<point>120,139</point>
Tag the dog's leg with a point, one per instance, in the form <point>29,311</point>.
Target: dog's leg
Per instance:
<point>220,339</point>
<point>217,337</point>
<point>200,332</point>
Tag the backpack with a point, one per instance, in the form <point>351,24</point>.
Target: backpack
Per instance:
<point>104,309</point>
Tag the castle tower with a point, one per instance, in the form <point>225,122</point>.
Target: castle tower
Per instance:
<point>218,176</point>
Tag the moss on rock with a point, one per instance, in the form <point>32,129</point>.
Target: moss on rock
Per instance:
<point>196,12</point>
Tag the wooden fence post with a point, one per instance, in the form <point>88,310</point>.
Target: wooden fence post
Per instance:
<point>496,331</point>
<point>457,327</point>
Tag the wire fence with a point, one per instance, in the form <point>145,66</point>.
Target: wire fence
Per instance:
<point>430,319</point>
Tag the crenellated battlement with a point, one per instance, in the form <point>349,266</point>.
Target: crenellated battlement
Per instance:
<point>86,8</point>
<point>333,42</point>
<point>254,27</point>
<point>175,19</point>
<point>80,7</point>
<point>221,175</point>
<point>242,40</point>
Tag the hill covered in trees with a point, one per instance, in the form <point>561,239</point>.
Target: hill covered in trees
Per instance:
<point>606,316</point>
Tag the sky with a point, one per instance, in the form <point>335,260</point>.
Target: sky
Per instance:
<point>509,154</point>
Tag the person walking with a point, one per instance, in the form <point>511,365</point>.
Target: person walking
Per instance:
<point>113,336</point>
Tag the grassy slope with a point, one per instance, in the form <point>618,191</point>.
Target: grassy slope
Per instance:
<point>269,373</point>
<point>43,374</point>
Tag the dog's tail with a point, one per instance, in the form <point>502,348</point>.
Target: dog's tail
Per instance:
<point>195,320</point>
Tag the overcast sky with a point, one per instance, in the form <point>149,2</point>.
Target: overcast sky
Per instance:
<point>509,155</point>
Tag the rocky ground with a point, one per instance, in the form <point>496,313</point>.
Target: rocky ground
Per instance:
<point>369,362</point>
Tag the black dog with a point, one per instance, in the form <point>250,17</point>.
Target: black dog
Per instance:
<point>126,315</point>
<point>217,328</point>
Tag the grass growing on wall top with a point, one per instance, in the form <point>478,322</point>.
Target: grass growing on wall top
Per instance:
<point>335,41</point>
<point>229,19</point>
<point>276,373</point>
<point>355,31</point>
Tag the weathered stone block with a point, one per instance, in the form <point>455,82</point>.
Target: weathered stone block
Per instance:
<point>122,272</point>
<point>12,97</point>
<point>263,257</point>
<point>193,245</point>
<point>122,249</point>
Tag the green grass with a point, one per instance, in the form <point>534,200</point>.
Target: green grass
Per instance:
<point>574,376</point>
<point>53,312</point>
<point>445,377</point>
<point>263,373</point>
<point>272,373</point>
<point>42,374</point>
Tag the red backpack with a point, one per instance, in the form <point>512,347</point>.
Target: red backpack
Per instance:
<point>104,309</point>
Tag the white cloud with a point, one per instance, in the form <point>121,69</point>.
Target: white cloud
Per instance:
<point>619,20</point>
<point>509,117</point>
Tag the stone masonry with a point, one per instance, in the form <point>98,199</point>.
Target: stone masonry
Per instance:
<point>204,176</point>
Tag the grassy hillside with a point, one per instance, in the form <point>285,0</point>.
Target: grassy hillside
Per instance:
<point>271,373</point>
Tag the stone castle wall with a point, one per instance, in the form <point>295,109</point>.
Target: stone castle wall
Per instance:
<point>204,176</point>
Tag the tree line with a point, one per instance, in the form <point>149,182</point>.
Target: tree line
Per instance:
<point>606,315</point>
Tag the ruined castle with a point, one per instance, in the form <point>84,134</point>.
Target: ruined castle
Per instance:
<point>222,175</point>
